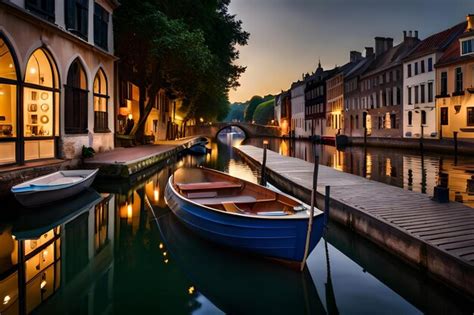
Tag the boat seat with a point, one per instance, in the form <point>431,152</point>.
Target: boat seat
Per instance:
<point>202,194</point>
<point>208,185</point>
<point>59,181</point>
<point>232,207</point>
<point>221,200</point>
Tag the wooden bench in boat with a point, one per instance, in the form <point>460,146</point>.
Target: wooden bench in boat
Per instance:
<point>208,186</point>
<point>222,200</point>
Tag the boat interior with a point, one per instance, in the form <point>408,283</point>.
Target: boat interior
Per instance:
<point>57,179</point>
<point>226,193</point>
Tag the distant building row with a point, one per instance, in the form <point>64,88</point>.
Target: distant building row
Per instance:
<point>416,88</point>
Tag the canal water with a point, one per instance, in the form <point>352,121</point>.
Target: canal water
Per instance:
<point>117,249</point>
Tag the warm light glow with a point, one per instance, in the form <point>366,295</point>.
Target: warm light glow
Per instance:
<point>156,195</point>
<point>130,116</point>
<point>33,70</point>
<point>161,246</point>
<point>166,261</point>
<point>265,142</point>
<point>43,284</point>
<point>45,253</point>
<point>191,290</point>
<point>273,121</point>
<point>165,253</point>
<point>201,119</point>
<point>10,65</point>
<point>2,93</point>
<point>129,211</point>
<point>6,299</point>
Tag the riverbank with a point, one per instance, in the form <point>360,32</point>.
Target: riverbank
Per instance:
<point>436,238</point>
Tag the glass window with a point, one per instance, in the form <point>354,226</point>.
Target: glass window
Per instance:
<point>467,46</point>
<point>101,26</point>
<point>416,94</point>
<point>444,116</point>
<point>40,70</point>
<point>422,93</point>
<point>423,117</point>
<point>76,99</point>
<point>42,8</point>
<point>410,118</point>
<point>7,66</point>
<point>409,70</point>
<point>470,116</point>
<point>430,64</point>
<point>8,99</point>
<point>409,96</point>
<point>459,85</point>
<point>416,68</point>
<point>444,83</point>
<point>430,92</point>
<point>77,19</point>
<point>422,66</point>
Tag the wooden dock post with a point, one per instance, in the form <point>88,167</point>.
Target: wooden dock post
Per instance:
<point>313,204</point>
<point>263,182</point>
<point>327,199</point>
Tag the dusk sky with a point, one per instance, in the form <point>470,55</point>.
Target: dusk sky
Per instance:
<point>288,36</point>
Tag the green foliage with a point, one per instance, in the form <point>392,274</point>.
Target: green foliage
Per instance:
<point>236,112</point>
<point>253,103</point>
<point>185,46</point>
<point>87,152</point>
<point>264,112</point>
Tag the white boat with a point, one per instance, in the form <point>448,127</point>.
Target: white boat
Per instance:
<point>53,187</point>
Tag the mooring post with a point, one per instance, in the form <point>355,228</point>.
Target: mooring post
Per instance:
<point>313,204</point>
<point>327,198</point>
<point>263,182</point>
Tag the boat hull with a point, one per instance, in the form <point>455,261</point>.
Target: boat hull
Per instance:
<point>44,197</point>
<point>276,238</point>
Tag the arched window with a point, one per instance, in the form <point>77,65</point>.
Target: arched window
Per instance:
<point>100,102</point>
<point>8,104</point>
<point>75,108</point>
<point>40,103</point>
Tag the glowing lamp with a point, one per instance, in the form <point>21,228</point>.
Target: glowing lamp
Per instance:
<point>6,299</point>
<point>201,119</point>
<point>161,246</point>
<point>43,284</point>
<point>33,70</point>
<point>130,116</point>
<point>191,290</point>
<point>265,142</point>
<point>10,65</point>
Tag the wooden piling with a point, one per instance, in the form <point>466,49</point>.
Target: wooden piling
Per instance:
<point>264,162</point>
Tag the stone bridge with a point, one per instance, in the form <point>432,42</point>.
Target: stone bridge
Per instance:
<point>251,130</point>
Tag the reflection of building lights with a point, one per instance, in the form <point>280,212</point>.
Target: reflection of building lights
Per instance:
<point>166,261</point>
<point>161,246</point>
<point>156,195</point>
<point>43,284</point>
<point>191,290</point>
<point>130,116</point>
<point>2,93</point>
<point>6,299</point>
<point>33,70</point>
<point>45,253</point>
<point>129,211</point>
<point>165,253</point>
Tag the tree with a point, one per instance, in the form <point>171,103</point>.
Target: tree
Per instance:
<point>264,112</point>
<point>186,47</point>
<point>253,103</point>
<point>236,112</point>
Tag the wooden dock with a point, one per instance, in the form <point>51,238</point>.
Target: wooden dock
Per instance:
<point>124,162</point>
<point>437,238</point>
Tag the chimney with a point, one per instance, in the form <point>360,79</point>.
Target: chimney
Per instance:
<point>410,34</point>
<point>379,45</point>
<point>355,56</point>
<point>416,34</point>
<point>404,35</point>
<point>369,51</point>
<point>470,22</point>
<point>388,43</point>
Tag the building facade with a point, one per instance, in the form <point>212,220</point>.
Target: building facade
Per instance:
<point>455,86</point>
<point>315,101</point>
<point>353,122</point>
<point>298,126</point>
<point>419,83</point>
<point>381,88</point>
<point>57,78</point>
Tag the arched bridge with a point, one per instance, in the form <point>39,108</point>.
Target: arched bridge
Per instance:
<point>251,130</point>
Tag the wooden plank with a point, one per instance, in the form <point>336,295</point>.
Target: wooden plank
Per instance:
<point>449,240</point>
<point>462,251</point>
<point>441,227</point>
<point>445,235</point>
<point>458,245</point>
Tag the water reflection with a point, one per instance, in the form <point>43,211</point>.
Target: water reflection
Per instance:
<point>401,168</point>
<point>104,253</point>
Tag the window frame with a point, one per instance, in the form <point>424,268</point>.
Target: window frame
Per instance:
<point>43,8</point>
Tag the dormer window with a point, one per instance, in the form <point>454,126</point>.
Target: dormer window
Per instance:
<point>467,46</point>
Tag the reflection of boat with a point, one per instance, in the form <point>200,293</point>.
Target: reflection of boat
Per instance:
<point>239,284</point>
<point>240,214</point>
<point>198,149</point>
<point>342,141</point>
<point>32,224</point>
<point>56,186</point>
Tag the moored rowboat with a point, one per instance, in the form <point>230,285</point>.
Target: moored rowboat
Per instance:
<point>53,187</point>
<point>241,214</point>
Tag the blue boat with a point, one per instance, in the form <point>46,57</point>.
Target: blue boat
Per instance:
<point>242,215</point>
